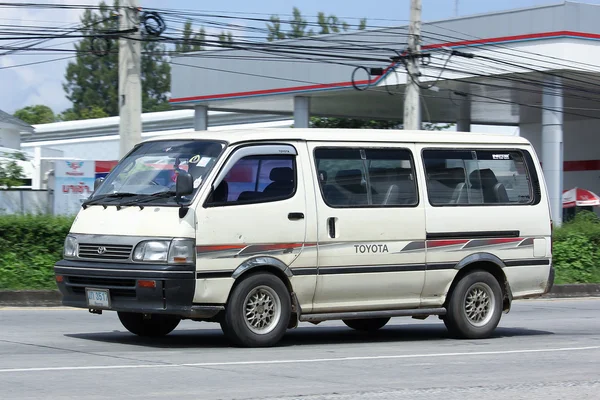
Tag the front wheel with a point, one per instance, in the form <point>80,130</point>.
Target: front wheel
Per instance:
<point>475,306</point>
<point>366,325</point>
<point>153,325</point>
<point>258,311</point>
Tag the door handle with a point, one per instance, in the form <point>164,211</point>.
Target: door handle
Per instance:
<point>331,226</point>
<point>294,216</point>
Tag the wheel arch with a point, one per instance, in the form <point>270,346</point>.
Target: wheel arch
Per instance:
<point>485,262</point>
<point>272,266</point>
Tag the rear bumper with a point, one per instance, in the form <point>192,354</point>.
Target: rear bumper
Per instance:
<point>173,293</point>
<point>550,283</point>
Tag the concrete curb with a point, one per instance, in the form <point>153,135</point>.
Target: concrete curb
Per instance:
<point>30,298</point>
<point>574,290</point>
<point>52,298</point>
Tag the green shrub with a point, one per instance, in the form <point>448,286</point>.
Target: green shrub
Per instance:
<point>576,254</point>
<point>29,247</point>
<point>585,222</point>
<point>36,272</point>
<point>575,259</point>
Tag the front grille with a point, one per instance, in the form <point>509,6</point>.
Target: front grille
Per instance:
<point>113,292</point>
<point>101,282</point>
<point>117,286</point>
<point>104,251</point>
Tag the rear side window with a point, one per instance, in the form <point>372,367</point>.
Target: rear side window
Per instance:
<point>354,177</point>
<point>477,177</point>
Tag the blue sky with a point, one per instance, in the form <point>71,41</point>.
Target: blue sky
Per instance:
<point>42,84</point>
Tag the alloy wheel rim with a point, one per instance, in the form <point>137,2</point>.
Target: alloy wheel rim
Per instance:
<point>479,304</point>
<point>262,310</point>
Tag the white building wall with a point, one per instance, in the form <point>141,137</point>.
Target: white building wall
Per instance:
<point>10,138</point>
<point>581,150</point>
<point>106,148</point>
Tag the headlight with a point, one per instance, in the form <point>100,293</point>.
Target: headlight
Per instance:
<point>177,251</point>
<point>70,250</point>
<point>152,250</point>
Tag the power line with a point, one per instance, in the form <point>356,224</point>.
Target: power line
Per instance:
<point>38,62</point>
<point>496,48</point>
<point>334,50</point>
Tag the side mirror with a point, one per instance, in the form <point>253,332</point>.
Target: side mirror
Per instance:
<point>184,184</point>
<point>97,183</point>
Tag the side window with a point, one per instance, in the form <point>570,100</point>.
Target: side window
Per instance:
<point>472,177</point>
<point>352,177</point>
<point>257,179</point>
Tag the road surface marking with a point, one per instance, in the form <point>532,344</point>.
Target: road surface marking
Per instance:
<point>297,361</point>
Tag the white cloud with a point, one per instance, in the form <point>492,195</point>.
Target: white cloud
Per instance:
<point>6,62</point>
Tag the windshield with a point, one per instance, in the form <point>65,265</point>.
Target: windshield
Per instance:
<point>152,168</point>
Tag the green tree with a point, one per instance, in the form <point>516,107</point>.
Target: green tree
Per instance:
<point>298,26</point>
<point>191,41</point>
<point>355,123</point>
<point>11,173</point>
<point>38,114</point>
<point>274,28</point>
<point>85,113</point>
<point>331,24</point>
<point>92,81</point>
<point>225,39</point>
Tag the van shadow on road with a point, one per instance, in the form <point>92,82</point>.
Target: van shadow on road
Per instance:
<point>303,336</point>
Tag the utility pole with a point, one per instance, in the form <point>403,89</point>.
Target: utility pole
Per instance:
<point>412,105</point>
<point>130,86</point>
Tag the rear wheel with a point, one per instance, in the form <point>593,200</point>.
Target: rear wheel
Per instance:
<point>366,325</point>
<point>258,311</point>
<point>153,325</point>
<point>475,306</point>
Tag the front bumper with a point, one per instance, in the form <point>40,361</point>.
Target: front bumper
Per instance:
<point>173,293</point>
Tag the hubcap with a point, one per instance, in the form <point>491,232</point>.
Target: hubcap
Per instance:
<point>479,304</point>
<point>262,310</point>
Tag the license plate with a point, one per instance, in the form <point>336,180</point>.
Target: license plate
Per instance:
<point>99,298</point>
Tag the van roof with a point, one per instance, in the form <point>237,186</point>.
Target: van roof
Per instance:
<point>233,136</point>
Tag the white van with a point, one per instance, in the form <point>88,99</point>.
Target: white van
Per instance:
<point>261,229</point>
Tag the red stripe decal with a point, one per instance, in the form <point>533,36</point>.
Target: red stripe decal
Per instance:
<point>252,248</point>
<point>512,39</point>
<point>441,243</point>
<point>210,249</point>
<point>277,246</point>
<point>503,241</point>
<point>268,91</point>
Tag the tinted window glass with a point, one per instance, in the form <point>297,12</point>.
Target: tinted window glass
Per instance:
<point>153,166</point>
<point>366,177</point>
<point>476,177</point>
<point>258,179</point>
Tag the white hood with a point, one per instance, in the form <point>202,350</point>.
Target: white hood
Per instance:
<point>154,221</point>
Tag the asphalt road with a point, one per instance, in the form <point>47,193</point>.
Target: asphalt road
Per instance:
<point>543,349</point>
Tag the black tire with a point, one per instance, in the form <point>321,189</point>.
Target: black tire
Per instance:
<point>155,326</point>
<point>366,325</point>
<point>248,333</point>
<point>481,323</point>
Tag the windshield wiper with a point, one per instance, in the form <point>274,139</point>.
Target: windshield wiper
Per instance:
<point>148,198</point>
<point>109,196</point>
